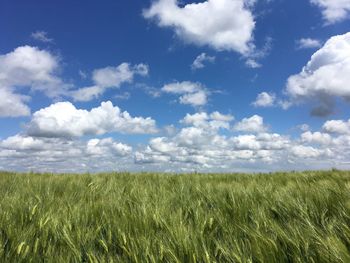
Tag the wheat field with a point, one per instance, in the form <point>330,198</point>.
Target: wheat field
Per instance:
<point>124,217</point>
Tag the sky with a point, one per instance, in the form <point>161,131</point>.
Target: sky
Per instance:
<point>174,86</point>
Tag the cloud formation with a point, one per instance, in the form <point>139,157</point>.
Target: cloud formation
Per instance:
<point>253,124</point>
<point>26,153</point>
<point>305,43</point>
<point>337,127</point>
<point>201,146</point>
<point>31,67</point>
<point>27,67</point>
<point>62,119</point>
<point>109,77</point>
<point>252,63</point>
<point>210,23</point>
<point>324,77</point>
<point>191,93</point>
<point>12,104</point>
<point>333,11</point>
<point>200,60</point>
<point>265,99</point>
<point>41,36</point>
<point>205,142</point>
<point>107,146</point>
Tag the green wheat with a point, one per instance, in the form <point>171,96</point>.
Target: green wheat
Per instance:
<point>122,217</point>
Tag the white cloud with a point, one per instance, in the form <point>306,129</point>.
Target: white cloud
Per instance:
<point>109,77</point>
<point>252,63</point>
<point>87,93</point>
<point>253,124</point>
<point>209,23</point>
<point>304,43</point>
<point>13,105</point>
<point>192,93</point>
<point>214,120</point>
<point>217,116</point>
<point>19,142</point>
<point>316,137</point>
<point>41,36</point>
<point>31,67</point>
<point>105,146</point>
<point>26,153</point>
<point>201,146</point>
<point>182,87</point>
<point>265,99</point>
<point>62,119</point>
<point>325,76</point>
<point>27,67</point>
<point>114,76</point>
<point>252,59</point>
<point>246,142</point>
<point>198,63</point>
<point>197,119</point>
<point>301,151</point>
<point>337,126</point>
<point>333,11</point>
<point>194,99</point>
<point>206,143</point>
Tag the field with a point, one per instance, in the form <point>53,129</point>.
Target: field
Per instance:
<point>280,217</point>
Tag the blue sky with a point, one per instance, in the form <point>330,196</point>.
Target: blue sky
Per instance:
<point>164,85</point>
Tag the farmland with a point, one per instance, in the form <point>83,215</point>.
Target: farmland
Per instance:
<point>145,217</point>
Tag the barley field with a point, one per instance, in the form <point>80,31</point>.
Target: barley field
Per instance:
<point>123,217</point>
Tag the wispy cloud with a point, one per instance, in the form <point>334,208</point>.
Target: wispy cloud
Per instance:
<point>41,36</point>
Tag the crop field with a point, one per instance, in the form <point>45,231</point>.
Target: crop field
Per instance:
<point>122,217</point>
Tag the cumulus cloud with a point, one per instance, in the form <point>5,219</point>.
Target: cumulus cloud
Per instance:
<point>109,77</point>
<point>215,120</point>
<point>265,99</point>
<point>333,11</point>
<point>201,146</point>
<point>316,138</point>
<point>253,124</point>
<point>200,60</point>
<point>63,119</point>
<point>337,126</point>
<point>103,147</point>
<point>38,69</point>
<point>198,98</point>
<point>302,151</point>
<point>27,67</point>
<point>31,67</point>
<point>13,105</point>
<point>205,143</point>
<point>324,77</point>
<point>41,36</point>
<point>20,142</point>
<point>305,43</point>
<point>26,153</point>
<point>191,93</point>
<point>210,23</point>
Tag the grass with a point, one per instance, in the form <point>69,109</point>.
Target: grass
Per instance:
<point>281,217</point>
